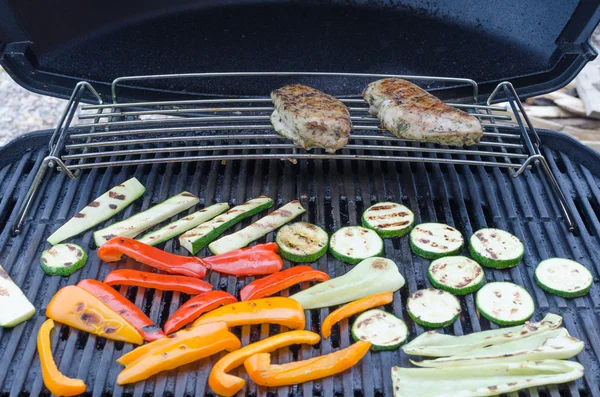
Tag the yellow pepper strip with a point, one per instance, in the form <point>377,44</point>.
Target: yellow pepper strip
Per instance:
<point>276,310</point>
<point>171,340</point>
<point>227,385</point>
<point>78,308</point>
<point>193,347</point>
<point>263,373</point>
<point>353,308</point>
<point>56,382</point>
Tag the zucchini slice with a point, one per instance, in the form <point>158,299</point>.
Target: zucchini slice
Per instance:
<point>496,248</point>
<point>142,221</point>
<point>433,308</point>
<point>353,244</point>
<point>183,225</point>
<point>504,303</point>
<point>16,308</point>
<point>436,240</point>
<point>456,274</point>
<point>302,242</point>
<point>260,228</point>
<point>63,259</point>
<point>384,330</point>
<point>200,236</point>
<point>99,210</point>
<point>563,277</point>
<point>388,219</point>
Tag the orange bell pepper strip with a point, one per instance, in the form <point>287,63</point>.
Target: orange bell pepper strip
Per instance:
<point>227,385</point>
<point>78,308</point>
<point>56,382</point>
<point>191,346</point>
<point>279,281</point>
<point>353,308</point>
<point>263,373</point>
<point>276,310</point>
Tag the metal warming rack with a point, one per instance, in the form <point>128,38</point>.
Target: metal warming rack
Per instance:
<point>223,129</point>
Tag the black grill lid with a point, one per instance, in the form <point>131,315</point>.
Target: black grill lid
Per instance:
<point>539,45</point>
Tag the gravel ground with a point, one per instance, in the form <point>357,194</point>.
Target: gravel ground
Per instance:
<point>22,111</point>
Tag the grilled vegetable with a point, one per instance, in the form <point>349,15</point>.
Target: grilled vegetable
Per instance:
<point>456,274</point>
<point>184,224</point>
<point>353,308</point>
<point>433,307</point>
<point>200,236</point>
<point>114,249</point>
<point>370,277</point>
<point>177,350</point>
<point>16,308</point>
<point>142,221</point>
<point>163,282</point>
<point>195,307</point>
<point>63,259</point>
<point>355,243</point>
<point>311,118</point>
<point>263,373</point>
<point>410,112</point>
<point>433,344</point>
<point>282,311</point>
<point>384,330</point>
<point>496,248</point>
<point>555,344</point>
<point>435,240</point>
<point>302,242</point>
<point>563,277</point>
<point>242,238</point>
<point>504,303</point>
<point>227,385</point>
<point>78,308</point>
<point>57,383</point>
<point>124,307</point>
<point>388,219</point>
<point>482,380</point>
<point>99,210</point>
<point>252,261</point>
<point>279,281</point>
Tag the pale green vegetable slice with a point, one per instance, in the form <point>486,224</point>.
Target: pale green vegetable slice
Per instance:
<point>482,380</point>
<point>434,344</point>
<point>14,305</point>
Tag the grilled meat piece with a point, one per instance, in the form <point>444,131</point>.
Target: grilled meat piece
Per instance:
<point>410,112</point>
<point>310,118</point>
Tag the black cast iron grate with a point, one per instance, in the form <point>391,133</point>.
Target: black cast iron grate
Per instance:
<point>334,192</point>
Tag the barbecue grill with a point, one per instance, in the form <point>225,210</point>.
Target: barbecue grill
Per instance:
<point>209,133</point>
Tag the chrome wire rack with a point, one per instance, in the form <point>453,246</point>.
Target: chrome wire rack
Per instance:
<point>223,129</point>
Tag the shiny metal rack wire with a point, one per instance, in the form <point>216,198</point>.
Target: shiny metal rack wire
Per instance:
<point>238,128</point>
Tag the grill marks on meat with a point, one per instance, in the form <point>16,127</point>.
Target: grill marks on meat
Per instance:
<point>410,112</point>
<point>310,118</point>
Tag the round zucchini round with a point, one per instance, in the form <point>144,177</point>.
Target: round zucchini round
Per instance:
<point>63,259</point>
<point>302,242</point>
<point>388,219</point>
<point>458,275</point>
<point>504,303</point>
<point>353,244</point>
<point>496,248</point>
<point>384,330</point>
<point>435,240</point>
<point>434,308</point>
<point>563,277</point>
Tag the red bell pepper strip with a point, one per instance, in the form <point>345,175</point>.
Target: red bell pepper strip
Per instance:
<point>252,261</point>
<point>197,306</point>
<point>130,312</point>
<point>163,282</point>
<point>279,281</point>
<point>116,247</point>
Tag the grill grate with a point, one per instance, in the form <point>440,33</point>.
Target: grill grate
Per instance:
<point>334,193</point>
<point>222,129</point>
